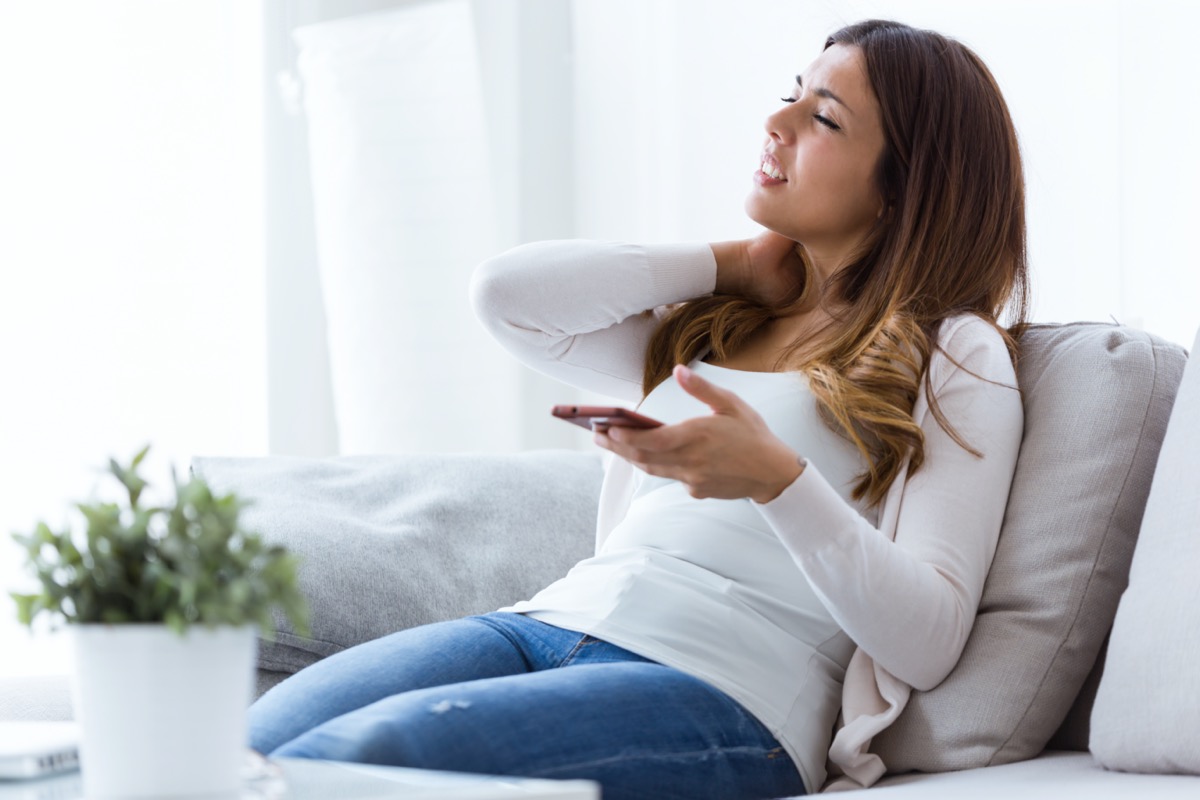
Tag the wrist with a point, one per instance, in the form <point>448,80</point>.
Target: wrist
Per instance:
<point>731,260</point>
<point>784,477</point>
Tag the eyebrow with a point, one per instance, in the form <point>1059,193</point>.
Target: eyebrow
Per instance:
<point>823,92</point>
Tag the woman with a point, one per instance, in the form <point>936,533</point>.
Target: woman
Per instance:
<point>806,539</point>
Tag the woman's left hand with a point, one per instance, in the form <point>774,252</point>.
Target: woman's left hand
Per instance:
<point>727,455</point>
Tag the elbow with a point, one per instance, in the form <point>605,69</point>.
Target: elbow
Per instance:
<point>931,674</point>
<point>947,639</point>
<point>483,282</point>
<point>500,286</point>
<point>939,661</point>
<point>479,290</point>
<point>943,656</point>
<point>487,291</point>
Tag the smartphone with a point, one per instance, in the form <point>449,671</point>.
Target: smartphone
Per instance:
<point>601,418</point>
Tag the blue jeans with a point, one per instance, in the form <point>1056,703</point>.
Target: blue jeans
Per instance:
<point>506,694</point>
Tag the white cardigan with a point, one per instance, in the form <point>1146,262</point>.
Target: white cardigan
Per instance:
<point>906,592</point>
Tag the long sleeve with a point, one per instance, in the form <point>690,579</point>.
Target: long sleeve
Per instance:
<point>910,602</point>
<point>582,311</point>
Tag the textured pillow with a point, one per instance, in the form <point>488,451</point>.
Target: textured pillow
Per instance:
<point>1147,712</point>
<point>388,542</point>
<point>1097,399</point>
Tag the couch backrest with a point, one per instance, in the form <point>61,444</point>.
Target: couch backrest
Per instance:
<point>394,541</point>
<point>388,542</point>
<point>1097,399</point>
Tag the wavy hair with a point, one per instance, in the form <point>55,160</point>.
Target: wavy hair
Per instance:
<point>952,241</point>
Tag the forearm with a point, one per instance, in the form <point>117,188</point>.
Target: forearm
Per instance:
<point>911,616</point>
<point>571,309</point>
<point>781,472</point>
<point>908,594</point>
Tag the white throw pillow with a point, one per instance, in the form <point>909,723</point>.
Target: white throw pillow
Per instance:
<point>1146,717</point>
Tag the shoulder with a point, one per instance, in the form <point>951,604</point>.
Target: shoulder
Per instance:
<point>966,344</point>
<point>968,330</point>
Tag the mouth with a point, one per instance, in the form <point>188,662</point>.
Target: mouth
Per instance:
<point>770,168</point>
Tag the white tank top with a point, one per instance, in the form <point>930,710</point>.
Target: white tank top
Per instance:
<point>705,586</point>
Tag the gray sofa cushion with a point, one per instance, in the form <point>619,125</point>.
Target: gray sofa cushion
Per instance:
<point>1097,399</point>
<point>390,542</point>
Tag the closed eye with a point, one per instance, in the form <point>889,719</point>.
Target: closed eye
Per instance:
<point>827,122</point>
<point>823,120</point>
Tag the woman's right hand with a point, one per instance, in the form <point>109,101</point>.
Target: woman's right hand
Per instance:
<point>767,268</point>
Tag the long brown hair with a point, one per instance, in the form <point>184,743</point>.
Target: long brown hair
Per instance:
<point>951,241</point>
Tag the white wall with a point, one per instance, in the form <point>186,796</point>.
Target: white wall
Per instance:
<point>131,277</point>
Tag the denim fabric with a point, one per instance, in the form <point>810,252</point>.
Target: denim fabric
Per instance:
<point>505,694</point>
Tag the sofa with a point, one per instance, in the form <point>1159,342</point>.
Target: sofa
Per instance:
<point>1079,672</point>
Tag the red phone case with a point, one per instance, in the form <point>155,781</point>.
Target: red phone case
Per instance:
<point>603,417</point>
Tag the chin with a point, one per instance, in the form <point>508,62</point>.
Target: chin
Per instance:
<point>756,212</point>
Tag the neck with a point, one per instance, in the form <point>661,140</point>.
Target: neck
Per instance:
<point>820,300</point>
<point>821,297</point>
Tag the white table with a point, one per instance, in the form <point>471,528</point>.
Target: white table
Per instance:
<point>319,780</point>
<point>302,779</point>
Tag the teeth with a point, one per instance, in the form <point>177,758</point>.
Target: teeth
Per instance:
<point>770,170</point>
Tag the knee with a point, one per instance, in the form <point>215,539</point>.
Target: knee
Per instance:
<point>421,732</point>
<point>340,740</point>
<point>267,731</point>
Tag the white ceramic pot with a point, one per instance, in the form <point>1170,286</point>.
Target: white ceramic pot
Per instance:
<point>162,715</point>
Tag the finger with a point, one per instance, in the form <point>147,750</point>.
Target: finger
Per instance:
<point>715,397</point>
<point>660,470</point>
<point>677,457</point>
<point>662,439</point>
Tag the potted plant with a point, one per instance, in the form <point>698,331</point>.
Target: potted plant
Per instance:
<point>163,605</point>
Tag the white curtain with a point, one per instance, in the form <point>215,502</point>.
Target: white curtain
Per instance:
<point>398,145</point>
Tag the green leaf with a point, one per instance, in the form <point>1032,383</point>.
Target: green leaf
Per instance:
<point>114,616</point>
<point>138,458</point>
<point>183,563</point>
<point>25,607</point>
<point>175,621</point>
<point>43,534</point>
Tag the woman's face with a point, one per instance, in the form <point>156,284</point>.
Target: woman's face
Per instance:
<point>826,144</point>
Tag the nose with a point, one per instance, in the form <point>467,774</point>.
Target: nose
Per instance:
<point>778,125</point>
